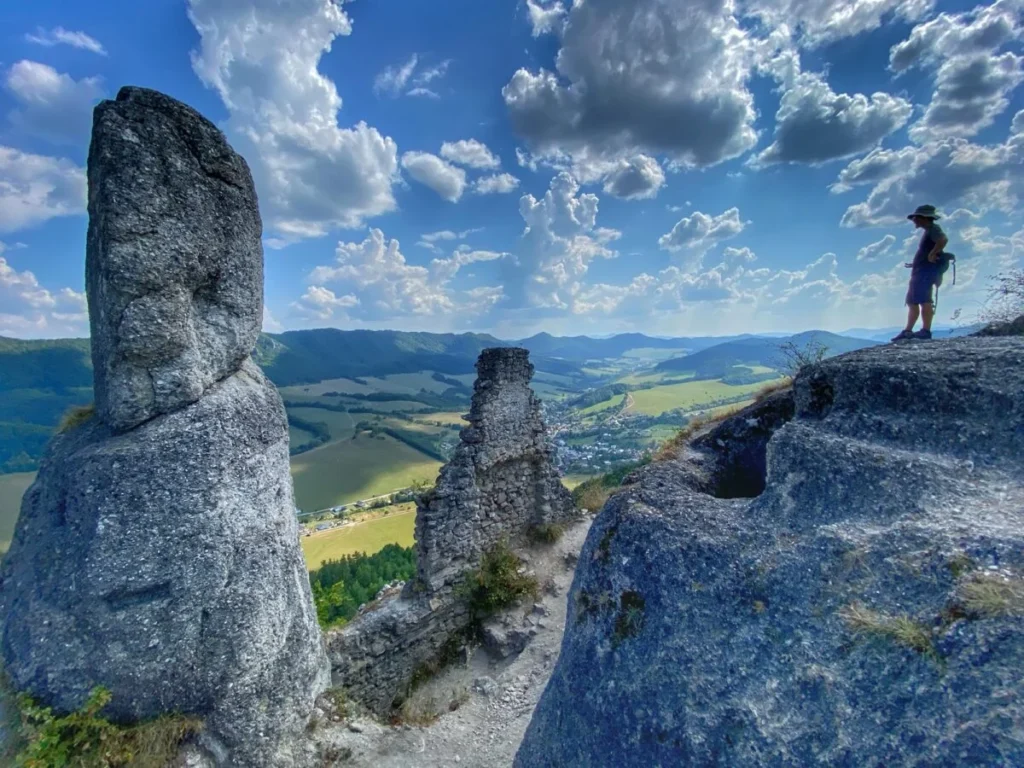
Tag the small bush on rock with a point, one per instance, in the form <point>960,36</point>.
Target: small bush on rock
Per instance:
<point>85,739</point>
<point>548,533</point>
<point>498,582</point>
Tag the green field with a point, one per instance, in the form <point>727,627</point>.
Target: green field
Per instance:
<point>369,537</point>
<point>689,395</point>
<point>406,383</point>
<point>297,436</point>
<point>345,386</point>
<point>341,425</point>
<point>653,353</point>
<point>445,417</point>
<point>348,470</point>
<point>12,488</point>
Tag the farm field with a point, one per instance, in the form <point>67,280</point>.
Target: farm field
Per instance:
<point>12,488</point>
<point>688,395</point>
<point>445,417</point>
<point>341,425</point>
<point>345,386</point>
<point>297,436</point>
<point>613,402</point>
<point>369,536</point>
<point>571,481</point>
<point>653,354</point>
<point>344,471</point>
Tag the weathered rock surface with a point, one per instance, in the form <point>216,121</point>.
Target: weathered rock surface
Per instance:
<point>1013,327</point>
<point>160,559</point>
<point>501,479</point>
<point>174,265</point>
<point>830,621</point>
<point>499,482</point>
<point>728,459</point>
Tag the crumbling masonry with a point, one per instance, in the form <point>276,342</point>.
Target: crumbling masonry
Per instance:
<point>499,483</point>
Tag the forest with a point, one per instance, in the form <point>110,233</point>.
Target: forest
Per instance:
<point>341,586</point>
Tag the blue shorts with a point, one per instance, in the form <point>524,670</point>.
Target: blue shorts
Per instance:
<point>920,290</point>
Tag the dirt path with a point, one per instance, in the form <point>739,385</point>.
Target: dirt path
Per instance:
<point>498,696</point>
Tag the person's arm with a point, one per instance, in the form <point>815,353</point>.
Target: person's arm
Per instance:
<point>940,242</point>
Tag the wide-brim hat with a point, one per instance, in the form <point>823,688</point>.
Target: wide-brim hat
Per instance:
<point>927,211</point>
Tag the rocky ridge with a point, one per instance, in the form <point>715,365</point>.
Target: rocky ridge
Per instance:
<point>157,551</point>
<point>866,608</point>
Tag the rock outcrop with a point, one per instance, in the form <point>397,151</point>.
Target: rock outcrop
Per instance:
<point>866,609</point>
<point>728,458</point>
<point>499,483</point>
<point>501,479</point>
<point>157,551</point>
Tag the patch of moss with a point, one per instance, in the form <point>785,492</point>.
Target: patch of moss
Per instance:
<point>960,564</point>
<point>605,545</point>
<point>85,739</point>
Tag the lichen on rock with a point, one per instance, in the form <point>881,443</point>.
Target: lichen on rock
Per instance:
<point>157,552</point>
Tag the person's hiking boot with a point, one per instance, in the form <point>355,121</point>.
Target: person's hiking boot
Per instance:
<point>922,334</point>
<point>903,335</point>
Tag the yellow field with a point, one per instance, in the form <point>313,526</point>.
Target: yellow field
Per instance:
<point>369,537</point>
<point>688,395</point>
<point>348,470</point>
<point>445,417</point>
<point>12,488</point>
<point>571,481</point>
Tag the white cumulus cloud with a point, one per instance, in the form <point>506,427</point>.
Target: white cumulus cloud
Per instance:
<point>36,188</point>
<point>470,153</point>
<point>496,184</point>
<point>699,232</point>
<point>262,57</point>
<point>51,104</point>
<point>430,170</point>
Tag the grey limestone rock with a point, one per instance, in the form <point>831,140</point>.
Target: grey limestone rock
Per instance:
<point>829,621</point>
<point>174,264</point>
<point>501,479</point>
<point>157,551</point>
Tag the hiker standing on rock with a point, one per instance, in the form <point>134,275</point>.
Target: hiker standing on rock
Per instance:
<point>925,273</point>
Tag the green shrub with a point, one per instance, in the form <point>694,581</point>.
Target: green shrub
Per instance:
<point>592,494</point>
<point>546,533</point>
<point>497,582</point>
<point>85,739</point>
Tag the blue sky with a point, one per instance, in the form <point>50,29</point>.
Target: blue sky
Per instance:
<point>592,167</point>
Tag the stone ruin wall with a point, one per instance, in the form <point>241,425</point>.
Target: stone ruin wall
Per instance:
<point>499,483</point>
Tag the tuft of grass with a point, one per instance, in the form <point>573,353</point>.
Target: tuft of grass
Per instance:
<point>497,582</point>
<point>546,533</point>
<point>901,630</point>
<point>989,596</point>
<point>85,739</point>
<point>630,619</point>
<point>76,416</point>
<point>592,494</point>
<point>959,564</point>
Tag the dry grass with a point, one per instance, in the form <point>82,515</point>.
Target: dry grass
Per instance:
<point>670,447</point>
<point>989,596</point>
<point>772,388</point>
<point>76,416</point>
<point>592,495</point>
<point>901,630</point>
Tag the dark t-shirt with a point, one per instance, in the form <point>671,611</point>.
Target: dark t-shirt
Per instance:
<point>932,233</point>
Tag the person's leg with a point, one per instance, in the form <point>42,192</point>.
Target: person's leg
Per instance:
<point>927,313</point>
<point>913,312</point>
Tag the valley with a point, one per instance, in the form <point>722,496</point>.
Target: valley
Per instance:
<point>388,410</point>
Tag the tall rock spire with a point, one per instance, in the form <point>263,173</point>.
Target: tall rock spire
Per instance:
<point>157,552</point>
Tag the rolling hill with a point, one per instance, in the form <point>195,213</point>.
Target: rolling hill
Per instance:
<point>721,359</point>
<point>580,348</point>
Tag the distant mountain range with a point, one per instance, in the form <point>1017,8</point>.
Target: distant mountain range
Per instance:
<point>719,360</point>
<point>40,380</point>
